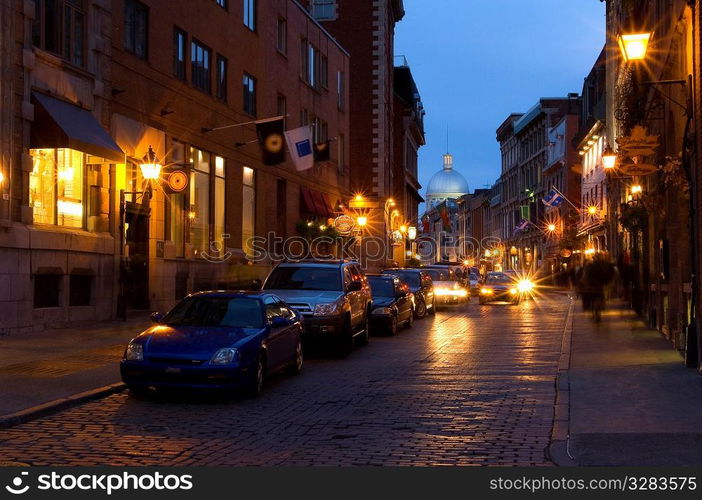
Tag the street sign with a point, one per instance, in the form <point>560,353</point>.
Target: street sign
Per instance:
<point>639,143</point>
<point>638,168</point>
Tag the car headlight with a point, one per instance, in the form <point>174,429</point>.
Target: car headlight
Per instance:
<point>326,309</point>
<point>134,352</point>
<point>525,286</point>
<point>225,356</point>
<point>513,291</point>
<point>382,311</point>
<point>486,291</point>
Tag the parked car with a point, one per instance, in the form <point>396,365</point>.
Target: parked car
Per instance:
<point>422,287</point>
<point>393,303</point>
<point>219,340</point>
<point>333,297</point>
<point>499,287</point>
<point>448,289</point>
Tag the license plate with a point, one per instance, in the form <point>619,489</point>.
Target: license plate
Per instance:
<point>173,370</point>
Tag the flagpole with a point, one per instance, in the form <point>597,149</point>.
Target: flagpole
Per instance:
<point>564,197</point>
<point>252,122</point>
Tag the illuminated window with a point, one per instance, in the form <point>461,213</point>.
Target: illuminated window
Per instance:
<point>248,217</point>
<point>250,14</point>
<point>56,187</point>
<point>199,214</point>
<point>220,202</point>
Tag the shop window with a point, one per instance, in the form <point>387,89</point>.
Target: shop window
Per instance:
<point>80,290</point>
<point>47,290</point>
<point>199,214</point>
<point>248,213</point>
<point>56,187</point>
<point>220,204</point>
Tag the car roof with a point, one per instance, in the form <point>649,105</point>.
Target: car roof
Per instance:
<point>258,294</point>
<point>317,263</point>
<point>393,269</point>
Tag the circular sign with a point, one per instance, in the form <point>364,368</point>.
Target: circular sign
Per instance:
<point>638,169</point>
<point>274,143</point>
<point>178,181</point>
<point>344,224</point>
<point>566,253</point>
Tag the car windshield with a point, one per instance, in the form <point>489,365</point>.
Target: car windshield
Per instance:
<point>304,278</point>
<point>381,287</point>
<point>437,275</point>
<point>474,277</point>
<point>231,312</point>
<point>409,277</point>
<point>498,279</point>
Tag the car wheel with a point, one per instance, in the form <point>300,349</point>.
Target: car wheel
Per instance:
<point>296,367</point>
<point>258,378</point>
<point>365,336</point>
<point>421,310</point>
<point>345,340</point>
<point>410,319</point>
<point>432,311</point>
<point>392,329</point>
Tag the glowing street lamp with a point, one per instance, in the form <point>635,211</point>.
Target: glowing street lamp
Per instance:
<point>412,233</point>
<point>592,210</point>
<point>551,228</point>
<point>636,189</point>
<point>358,197</point>
<point>403,229</point>
<point>362,221</point>
<point>634,46</point>
<point>2,177</point>
<point>609,158</point>
<point>150,166</point>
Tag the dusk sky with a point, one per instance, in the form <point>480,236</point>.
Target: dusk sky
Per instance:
<point>477,61</point>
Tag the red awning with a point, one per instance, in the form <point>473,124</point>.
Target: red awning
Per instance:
<point>319,203</point>
<point>308,205</point>
<point>328,205</point>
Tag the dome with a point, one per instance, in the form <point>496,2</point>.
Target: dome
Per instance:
<point>447,183</point>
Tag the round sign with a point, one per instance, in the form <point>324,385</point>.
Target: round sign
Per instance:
<point>178,181</point>
<point>638,169</point>
<point>274,143</point>
<point>566,253</point>
<point>344,224</point>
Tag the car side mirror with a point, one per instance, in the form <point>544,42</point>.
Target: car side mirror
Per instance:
<point>256,284</point>
<point>156,317</point>
<point>280,322</point>
<point>355,286</point>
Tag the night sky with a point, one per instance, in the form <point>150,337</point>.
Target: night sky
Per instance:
<point>476,61</point>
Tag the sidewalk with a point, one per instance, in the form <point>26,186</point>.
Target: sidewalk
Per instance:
<point>47,366</point>
<point>632,400</point>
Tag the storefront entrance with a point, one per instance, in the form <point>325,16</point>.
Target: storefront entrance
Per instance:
<point>137,272</point>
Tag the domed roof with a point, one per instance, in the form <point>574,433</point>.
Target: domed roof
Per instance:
<point>447,183</point>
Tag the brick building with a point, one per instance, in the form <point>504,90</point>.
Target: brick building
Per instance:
<point>82,106</point>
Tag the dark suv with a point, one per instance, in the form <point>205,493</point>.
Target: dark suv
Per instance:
<point>334,298</point>
<point>422,287</point>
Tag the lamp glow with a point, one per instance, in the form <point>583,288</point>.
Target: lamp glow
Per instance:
<point>592,210</point>
<point>362,221</point>
<point>636,189</point>
<point>150,166</point>
<point>634,46</point>
<point>551,228</point>
<point>412,233</point>
<point>609,158</point>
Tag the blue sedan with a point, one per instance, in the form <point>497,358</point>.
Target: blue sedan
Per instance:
<point>219,340</point>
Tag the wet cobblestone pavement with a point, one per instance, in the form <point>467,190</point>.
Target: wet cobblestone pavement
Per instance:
<point>472,386</point>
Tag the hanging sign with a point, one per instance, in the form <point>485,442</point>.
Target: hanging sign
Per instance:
<point>637,167</point>
<point>178,181</point>
<point>344,224</point>
<point>639,143</point>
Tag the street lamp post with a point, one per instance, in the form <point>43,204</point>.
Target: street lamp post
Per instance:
<point>150,167</point>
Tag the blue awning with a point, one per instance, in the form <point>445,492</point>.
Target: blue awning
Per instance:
<point>59,124</point>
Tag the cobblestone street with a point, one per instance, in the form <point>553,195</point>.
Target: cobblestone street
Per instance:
<point>471,386</point>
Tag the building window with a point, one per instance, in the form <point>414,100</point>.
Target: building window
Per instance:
<point>47,290</point>
<point>56,187</point>
<point>282,37</point>
<point>312,65</point>
<point>304,117</point>
<point>341,90</point>
<point>200,57</point>
<point>199,214</point>
<point>341,160</point>
<point>180,40</point>
<point>136,28</point>
<point>59,27</point>
<point>175,212</point>
<point>248,212</point>
<point>324,10</point>
<point>249,94</point>
<point>220,203</point>
<point>250,14</point>
<point>323,71</point>
<point>222,3</point>
<point>221,78</point>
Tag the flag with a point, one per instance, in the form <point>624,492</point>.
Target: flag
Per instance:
<point>445,220</point>
<point>270,138</point>
<point>300,146</point>
<point>553,199</point>
<point>321,151</point>
<point>522,225</point>
<point>425,224</point>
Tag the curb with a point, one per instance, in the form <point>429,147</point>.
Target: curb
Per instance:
<point>557,450</point>
<point>42,410</point>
